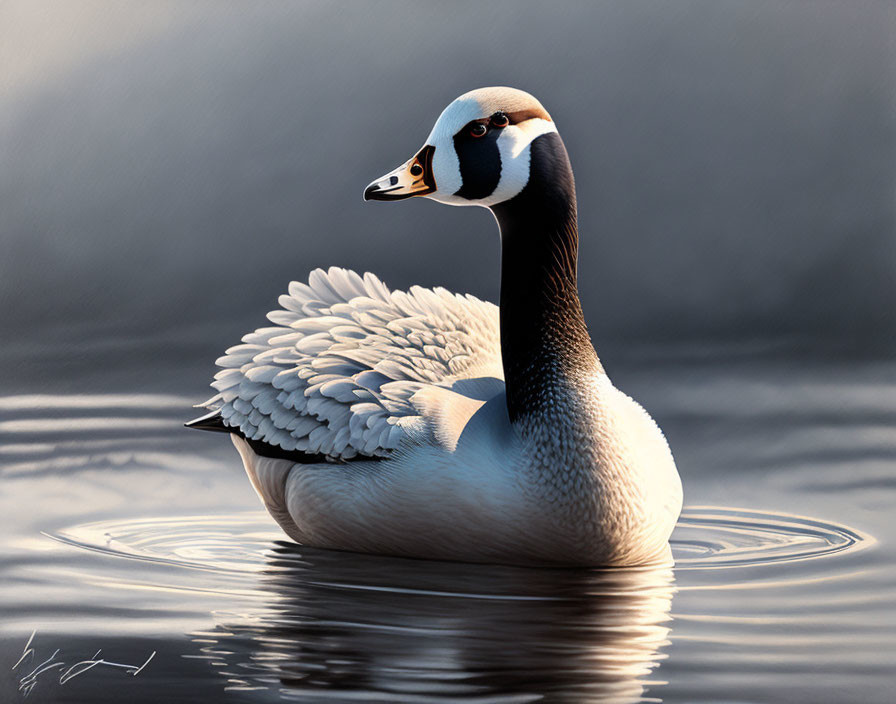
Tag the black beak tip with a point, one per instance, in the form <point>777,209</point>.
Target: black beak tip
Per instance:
<point>369,192</point>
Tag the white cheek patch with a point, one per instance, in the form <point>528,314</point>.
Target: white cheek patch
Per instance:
<point>446,172</point>
<point>514,146</point>
<point>445,164</point>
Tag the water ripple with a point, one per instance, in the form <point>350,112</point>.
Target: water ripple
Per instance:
<point>710,537</point>
<point>706,537</point>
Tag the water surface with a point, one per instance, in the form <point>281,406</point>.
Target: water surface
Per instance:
<point>132,543</point>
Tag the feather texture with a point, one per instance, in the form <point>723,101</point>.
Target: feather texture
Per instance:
<point>338,372</point>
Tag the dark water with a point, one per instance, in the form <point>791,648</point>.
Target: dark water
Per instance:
<point>130,536</point>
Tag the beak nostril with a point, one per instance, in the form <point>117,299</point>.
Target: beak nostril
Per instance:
<point>410,179</point>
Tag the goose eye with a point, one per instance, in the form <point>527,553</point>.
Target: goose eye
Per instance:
<point>478,130</point>
<point>499,119</point>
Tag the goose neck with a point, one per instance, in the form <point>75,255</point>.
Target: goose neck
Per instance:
<point>545,346</point>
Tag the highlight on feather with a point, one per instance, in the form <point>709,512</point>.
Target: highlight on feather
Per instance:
<point>333,379</point>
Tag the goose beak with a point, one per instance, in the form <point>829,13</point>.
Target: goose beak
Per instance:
<point>412,178</point>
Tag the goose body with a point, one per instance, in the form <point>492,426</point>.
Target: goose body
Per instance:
<point>429,424</point>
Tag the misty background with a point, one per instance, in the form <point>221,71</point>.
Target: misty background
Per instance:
<point>168,168</point>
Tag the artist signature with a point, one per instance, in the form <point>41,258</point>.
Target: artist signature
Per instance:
<point>54,664</point>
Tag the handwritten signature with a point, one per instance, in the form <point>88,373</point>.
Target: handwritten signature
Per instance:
<point>55,664</point>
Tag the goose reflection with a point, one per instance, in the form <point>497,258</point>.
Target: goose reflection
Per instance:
<point>346,627</point>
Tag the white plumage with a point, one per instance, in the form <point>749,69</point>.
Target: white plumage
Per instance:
<point>340,371</point>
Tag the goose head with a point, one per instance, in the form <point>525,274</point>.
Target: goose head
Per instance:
<point>478,152</point>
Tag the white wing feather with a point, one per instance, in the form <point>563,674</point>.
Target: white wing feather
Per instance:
<point>337,373</point>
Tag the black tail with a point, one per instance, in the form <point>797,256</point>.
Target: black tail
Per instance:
<point>210,421</point>
<point>214,422</point>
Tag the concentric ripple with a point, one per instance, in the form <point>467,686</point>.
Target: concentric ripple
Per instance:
<point>227,543</point>
<point>709,537</point>
<point>706,537</point>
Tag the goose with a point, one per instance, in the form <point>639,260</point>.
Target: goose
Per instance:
<point>427,424</point>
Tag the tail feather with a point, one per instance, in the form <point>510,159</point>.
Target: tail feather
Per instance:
<point>210,421</point>
<point>214,422</point>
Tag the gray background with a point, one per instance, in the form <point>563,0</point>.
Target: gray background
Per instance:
<point>168,168</point>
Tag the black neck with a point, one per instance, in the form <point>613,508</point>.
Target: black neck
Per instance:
<point>544,341</point>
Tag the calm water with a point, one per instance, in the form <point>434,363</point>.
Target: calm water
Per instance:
<point>137,566</point>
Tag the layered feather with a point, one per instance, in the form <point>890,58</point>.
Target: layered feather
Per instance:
<point>341,371</point>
